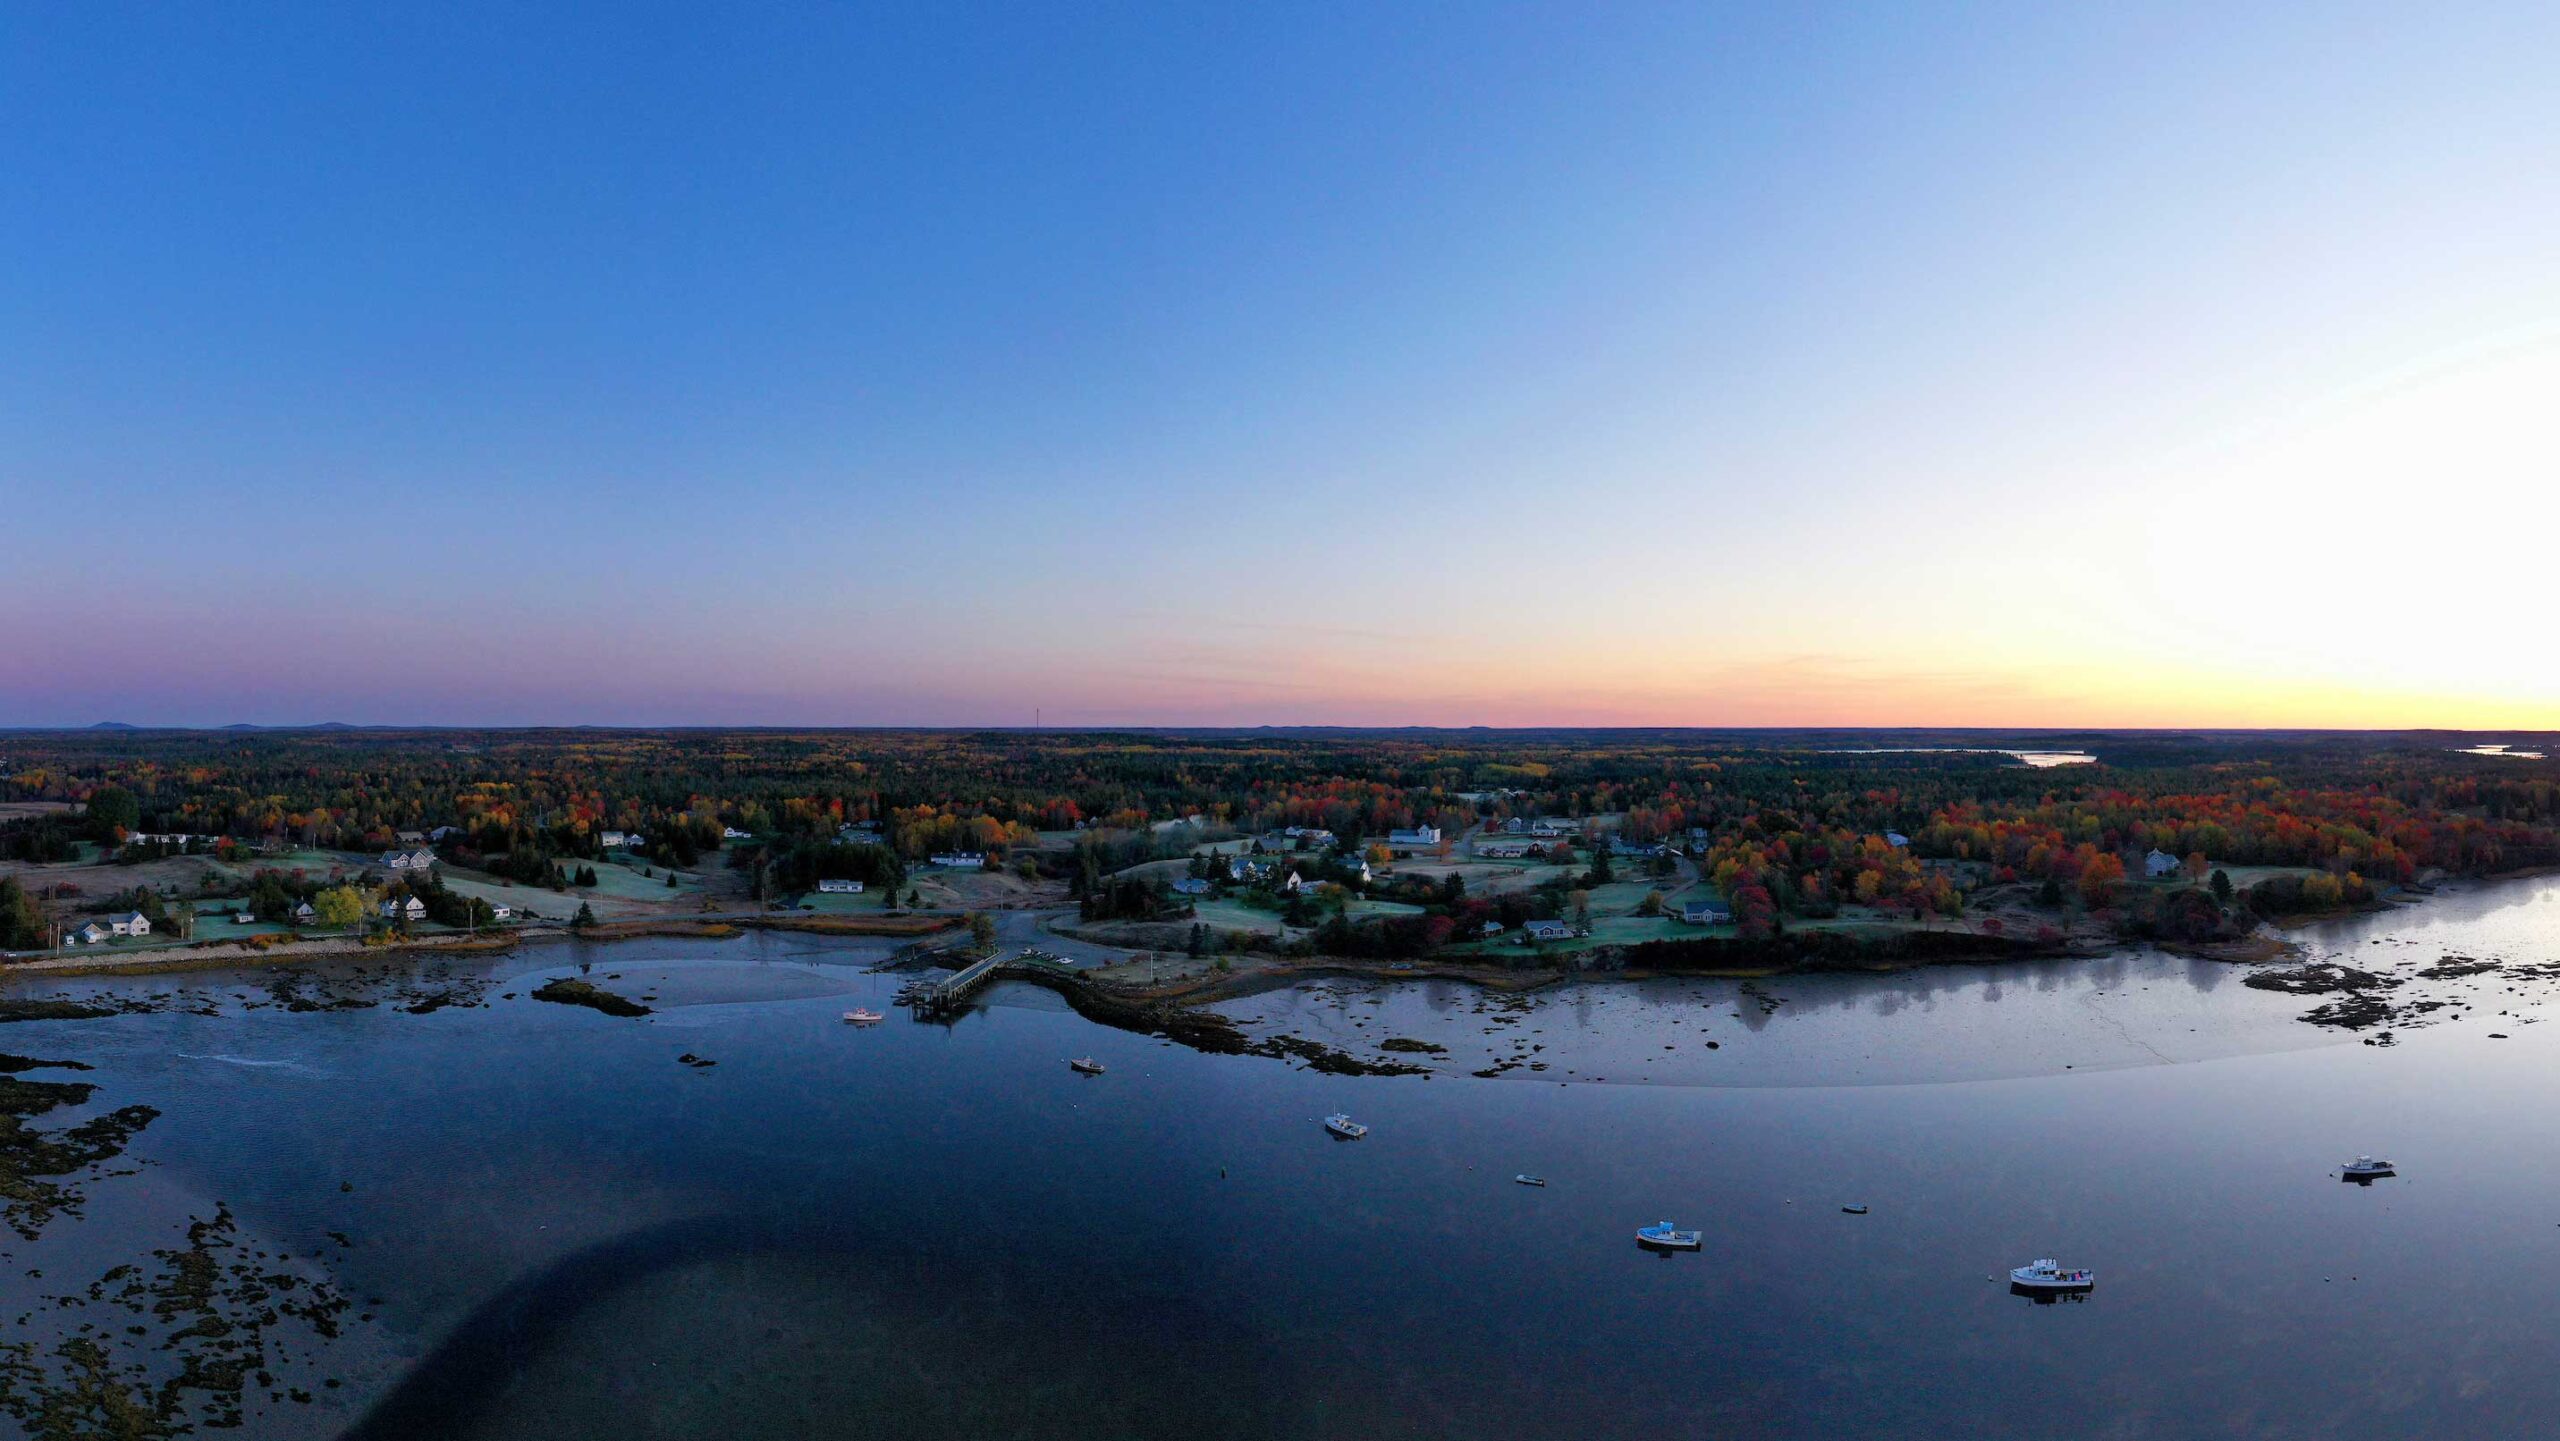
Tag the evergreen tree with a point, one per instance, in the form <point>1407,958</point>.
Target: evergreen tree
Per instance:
<point>21,920</point>
<point>113,809</point>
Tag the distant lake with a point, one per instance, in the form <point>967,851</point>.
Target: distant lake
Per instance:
<point>2498,750</point>
<point>2038,759</point>
<point>916,1230</point>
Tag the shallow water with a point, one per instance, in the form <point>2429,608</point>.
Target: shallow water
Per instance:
<point>918,1230</point>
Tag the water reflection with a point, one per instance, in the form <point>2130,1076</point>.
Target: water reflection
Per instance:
<point>2048,1298</point>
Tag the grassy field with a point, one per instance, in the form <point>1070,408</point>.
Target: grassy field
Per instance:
<point>624,881</point>
<point>1362,909</point>
<point>214,923</point>
<point>542,900</point>
<point>2244,877</point>
<point>868,902</point>
<point>314,865</point>
<point>1231,915</point>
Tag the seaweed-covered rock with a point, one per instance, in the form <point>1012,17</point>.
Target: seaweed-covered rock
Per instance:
<point>570,991</point>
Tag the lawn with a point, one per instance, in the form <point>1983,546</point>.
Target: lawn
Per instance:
<point>1233,915</point>
<point>214,923</point>
<point>825,903</point>
<point>622,881</point>
<point>1361,908</point>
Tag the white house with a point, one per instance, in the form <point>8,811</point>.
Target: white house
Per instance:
<point>1552,828</point>
<point>732,833</point>
<point>1240,869</point>
<point>961,860</point>
<point>1547,931</point>
<point>244,917</point>
<point>1312,835</point>
<point>131,923</point>
<point>303,915</point>
<point>407,909</point>
<point>1503,850</point>
<point>88,935</point>
<point>1417,837</point>
<point>831,886</point>
<point>1896,839</point>
<point>1493,928</point>
<point>1706,913</point>
<point>502,913</point>
<point>614,840</point>
<point>417,860</point>
<point>1365,877</point>
<point>2160,863</point>
<point>1293,885</point>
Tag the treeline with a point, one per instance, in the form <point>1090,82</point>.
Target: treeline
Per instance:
<point>2380,807</point>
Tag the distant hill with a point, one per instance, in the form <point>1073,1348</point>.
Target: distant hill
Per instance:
<point>114,726</point>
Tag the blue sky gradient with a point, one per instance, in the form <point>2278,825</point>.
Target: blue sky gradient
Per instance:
<point>1417,363</point>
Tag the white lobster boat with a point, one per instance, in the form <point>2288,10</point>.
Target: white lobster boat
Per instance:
<point>1342,1125</point>
<point>1663,1236</point>
<point>859,1016</point>
<point>2047,1274</point>
<point>1085,1066</point>
<point>2365,1168</point>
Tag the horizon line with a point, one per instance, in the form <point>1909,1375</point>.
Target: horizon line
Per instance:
<point>1103,728</point>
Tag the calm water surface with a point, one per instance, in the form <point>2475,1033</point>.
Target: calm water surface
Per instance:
<point>917,1230</point>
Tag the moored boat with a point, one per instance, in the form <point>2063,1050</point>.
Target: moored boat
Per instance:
<point>1086,1065</point>
<point>2365,1168</point>
<point>858,1016</point>
<point>2047,1274</point>
<point>1528,1180</point>
<point>1663,1236</point>
<point>1342,1125</point>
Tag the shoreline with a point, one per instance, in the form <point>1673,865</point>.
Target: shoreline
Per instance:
<point>1255,975</point>
<point>247,954</point>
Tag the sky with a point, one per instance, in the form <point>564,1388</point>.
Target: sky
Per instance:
<point>1327,363</point>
